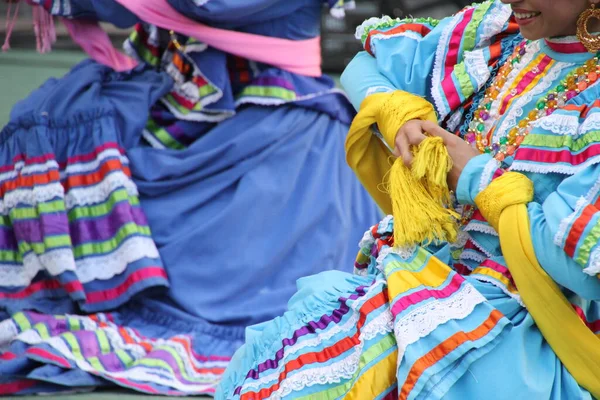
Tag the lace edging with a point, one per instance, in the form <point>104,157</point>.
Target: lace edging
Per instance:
<point>547,168</point>
<point>488,172</point>
<point>477,226</point>
<point>494,21</point>
<point>424,320</point>
<point>593,269</point>
<point>561,233</point>
<point>559,124</point>
<point>101,267</point>
<point>500,286</point>
<point>138,372</point>
<point>380,325</point>
<point>477,67</point>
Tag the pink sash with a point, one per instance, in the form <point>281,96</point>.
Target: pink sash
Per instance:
<point>299,56</point>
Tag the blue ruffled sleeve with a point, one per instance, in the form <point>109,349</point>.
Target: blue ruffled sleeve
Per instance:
<point>444,61</point>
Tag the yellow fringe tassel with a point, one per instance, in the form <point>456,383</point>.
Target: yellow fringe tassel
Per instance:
<point>417,197</point>
<point>420,197</point>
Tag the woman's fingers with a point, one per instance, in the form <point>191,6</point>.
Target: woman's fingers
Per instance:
<point>403,147</point>
<point>435,130</point>
<point>411,134</point>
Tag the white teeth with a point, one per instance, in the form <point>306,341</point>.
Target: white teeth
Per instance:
<point>526,16</point>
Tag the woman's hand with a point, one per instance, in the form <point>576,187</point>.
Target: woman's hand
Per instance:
<point>414,132</point>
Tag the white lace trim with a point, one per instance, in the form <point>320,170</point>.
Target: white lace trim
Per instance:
<point>593,268</point>
<point>368,240</point>
<point>380,325</point>
<point>565,169</point>
<point>476,226</point>
<point>591,123</point>
<point>107,266</point>
<point>362,28</point>
<point>559,124</point>
<point>497,16</point>
<point>481,248</point>
<point>90,166</point>
<point>31,197</point>
<point>382,36</point>
<point>404,253</point>
<point>325,335</point>
<point>455,120</point>
<point>593,192</point>
<point>477,67</point>
<point>80,196</point>
<point>422,321</point>
<point>135,372</point>
<point>384,223</point>
<point>98,193</point>
<point>561,233</point>
<point>488,172</point>
<point>88,269</point>
<point>461,240</point>
<point>497,103</point>
<point>472,256</point>
<point>21,169</point>
<point>500,286</point>
<point>336,372</point>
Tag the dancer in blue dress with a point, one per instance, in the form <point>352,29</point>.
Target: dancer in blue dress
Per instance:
<point>150,215</point>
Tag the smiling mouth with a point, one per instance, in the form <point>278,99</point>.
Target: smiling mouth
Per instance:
<point>526,16</point>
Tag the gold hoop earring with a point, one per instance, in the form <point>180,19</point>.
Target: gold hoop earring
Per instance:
<point>589,41</point>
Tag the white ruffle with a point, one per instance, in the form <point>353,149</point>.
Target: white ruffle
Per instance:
<point>136,371</point>
<point>561,233</point>
<point>499,285</point>
<point>31,196</point>
<point>380,325</point>
<point>488,173</point>
<point>101,267</point>
<point>549,168</point>
<point>559,124</point>
<point>20,169</point>
<point>369,24</point>
<point>100,192</point>
<point>477,226</point>
<point>422,321</point>
<point>494,21</point>
<point>477,67</point>
<point>593,267</point>
<point>591,123</point>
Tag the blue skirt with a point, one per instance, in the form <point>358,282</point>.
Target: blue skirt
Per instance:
<point>255,203</point>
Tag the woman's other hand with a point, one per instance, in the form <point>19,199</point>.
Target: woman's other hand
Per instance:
<point>414,132</point>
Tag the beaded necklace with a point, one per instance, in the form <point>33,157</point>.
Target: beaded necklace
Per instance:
<point>574,83</point>
<point>480,127</point>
